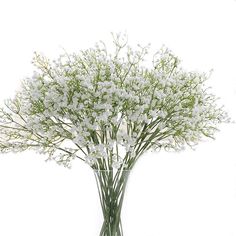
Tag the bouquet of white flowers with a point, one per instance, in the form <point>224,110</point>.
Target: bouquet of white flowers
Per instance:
<point>107,110</point>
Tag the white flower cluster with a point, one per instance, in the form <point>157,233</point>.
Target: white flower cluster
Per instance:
<point>108,109</point>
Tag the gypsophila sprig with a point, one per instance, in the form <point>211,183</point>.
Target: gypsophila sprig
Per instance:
<point>107,109</point>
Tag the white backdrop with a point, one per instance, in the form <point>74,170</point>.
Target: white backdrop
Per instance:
<point>188,193</point>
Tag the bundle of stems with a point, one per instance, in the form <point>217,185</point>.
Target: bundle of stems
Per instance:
<point>111,187</point>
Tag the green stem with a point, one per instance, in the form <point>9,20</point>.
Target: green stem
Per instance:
<point>111,187</point>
